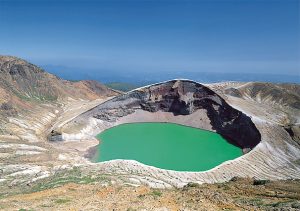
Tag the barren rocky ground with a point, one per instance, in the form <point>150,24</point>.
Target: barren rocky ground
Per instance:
<point>46,132</point>
<point>102,193</point>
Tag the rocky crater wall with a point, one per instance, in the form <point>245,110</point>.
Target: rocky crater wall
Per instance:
<point>177,99</point>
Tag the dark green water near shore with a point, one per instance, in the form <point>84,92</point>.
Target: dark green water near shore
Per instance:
<point>166,146</point>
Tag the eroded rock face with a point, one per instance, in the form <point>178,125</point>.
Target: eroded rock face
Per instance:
<point>181,97</point>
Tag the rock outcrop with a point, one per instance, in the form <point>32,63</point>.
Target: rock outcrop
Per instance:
<point>245,122</point>
<point>181,98</point>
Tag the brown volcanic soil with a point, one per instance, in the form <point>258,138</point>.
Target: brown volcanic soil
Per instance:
<point>239,194</point>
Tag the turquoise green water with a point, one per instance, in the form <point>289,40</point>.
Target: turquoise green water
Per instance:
<point>165,145</point>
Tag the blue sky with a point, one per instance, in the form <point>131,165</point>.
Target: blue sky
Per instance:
<point>258,36</point>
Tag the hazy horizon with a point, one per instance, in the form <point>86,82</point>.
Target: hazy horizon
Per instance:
<point>147,77</point>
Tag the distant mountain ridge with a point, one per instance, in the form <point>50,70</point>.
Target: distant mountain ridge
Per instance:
<point>280,94</point>
<point>23,85</point>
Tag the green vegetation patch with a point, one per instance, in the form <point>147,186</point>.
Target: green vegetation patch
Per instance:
<point>25,209</point>
<point>156,193</point>
<point>72,176</point>
<point>260,182</point>
<point>287,203</point>
<point>62,201</point>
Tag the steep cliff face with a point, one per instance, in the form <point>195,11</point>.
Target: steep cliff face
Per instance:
<point>181,98</point>
<point>185,97</point>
